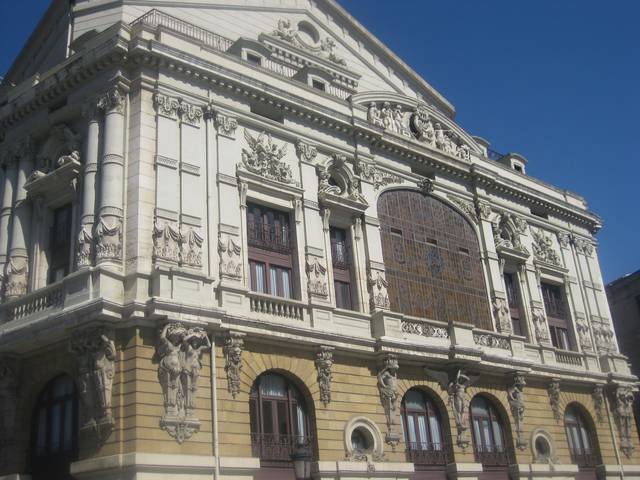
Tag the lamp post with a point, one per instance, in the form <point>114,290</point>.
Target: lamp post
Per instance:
<point>301,458</point>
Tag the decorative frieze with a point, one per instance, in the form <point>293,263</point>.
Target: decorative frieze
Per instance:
<point>166,106</point>
<point>264,158</point>
<point>324,362</point>
<point>379,297</point>
<point>553,390</point>
<point>623,414</point>
<point>389,117</point>
<point>166,242</point>
<point>191,248</point>
<point>423,329</point>
<point>465,206</point>
<point>515,394</point>
<point>324,48</point>
<point>543,248</point>
<point>306,152</point>
<point>230,257</point>
<point>95,353</point>
<point>388,388</point>
<point>378,177</point>
<point>190,114</point>
<point>492,341</point>
<point>179,352</point>
<point>316,277</point>
<point>108,239</point>
<point>233,345</point>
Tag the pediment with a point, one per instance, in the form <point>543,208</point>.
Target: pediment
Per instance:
<point>400,115</point>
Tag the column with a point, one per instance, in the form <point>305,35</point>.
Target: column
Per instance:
<point>17,268</point>
<point>108,230</point>
<point>87,208</point>
<point>10,178</point>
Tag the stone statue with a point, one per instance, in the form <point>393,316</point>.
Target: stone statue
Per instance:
<point>388,388</point>
<point>624,418</point>
<point>516,403</point>
<point>196,342</point>
<point>458,400</point>
<point>170,366</point>
<point>374,115</point>
<point>324,362</point>
<point>232,350</point>
<point>503,315</point>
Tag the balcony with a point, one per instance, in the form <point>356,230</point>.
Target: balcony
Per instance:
<point>567,357</point>
<point>276,306</point>
<point>491,456</point>
<point>46,299</point>
<point>275,447</point>
<point>586,459</point>
<point>422,453</point>
<point>276,238</point>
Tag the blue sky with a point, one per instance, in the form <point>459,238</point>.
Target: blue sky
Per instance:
<point>555,80</point>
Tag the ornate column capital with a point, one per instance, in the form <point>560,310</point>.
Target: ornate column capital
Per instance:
<point>112,101</point>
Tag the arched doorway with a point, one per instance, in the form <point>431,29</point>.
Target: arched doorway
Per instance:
<point>582,440</point>
<point>54,442</point>
<point>425,436</point>
<point>432,260</point>
<point>491,439</point>
<point>280,424</point>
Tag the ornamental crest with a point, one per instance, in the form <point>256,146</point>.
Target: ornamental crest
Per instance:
<point>265,158</point>
<point>543,248</point>
<point>324,48</point>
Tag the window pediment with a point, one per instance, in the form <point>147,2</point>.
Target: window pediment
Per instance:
<point>338,186</point>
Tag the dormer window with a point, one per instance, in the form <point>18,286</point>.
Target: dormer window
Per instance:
<point>518,168</point>
<point>319,85</point>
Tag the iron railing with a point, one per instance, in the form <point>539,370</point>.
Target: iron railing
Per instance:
<point>276,447</point>
<point>155,18</point>
<point>269,237</point>
<point>586,459</point>
<point>423,453</point>
<point>491,456</point>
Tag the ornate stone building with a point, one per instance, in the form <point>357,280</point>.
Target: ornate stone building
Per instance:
<point>245,240</point>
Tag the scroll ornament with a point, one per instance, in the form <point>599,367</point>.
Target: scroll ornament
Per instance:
<point>95,353</point>
<point>233,345</point>
<point>179,353</point>
<point>388,388</point>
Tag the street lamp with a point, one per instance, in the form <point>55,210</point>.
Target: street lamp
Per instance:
<point>301,457</point>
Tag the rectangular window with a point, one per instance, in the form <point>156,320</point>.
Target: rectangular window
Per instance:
<point>555,305</point>
<point>255,59</point>
<point>513,301</point>
<point>60,244</point>
<point>318,85</point>
<point>341,261</point>
<point>271,251</point>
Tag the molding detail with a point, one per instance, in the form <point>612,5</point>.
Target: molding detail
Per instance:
<point>191,248</point>
<point>179,352</point>
<point>233,345</point>
<point>324,361</point>
<point>543,248</point>
<point>306,152</point>
<point>623,413</point>
<point>388,388</point>
<point>317,277</point>
<point>95,353</point>
<point>265,158</point>
<point>554,398</point>
<point>108,240</point>
<point>379,297</point>
<point>166,106</point>
<point>502,315</point>
<point>515,395</point>
<point>230,258</point>
<point>598,402</point>
<point>166,242</point>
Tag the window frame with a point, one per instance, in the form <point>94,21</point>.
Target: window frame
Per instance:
<point>59,253</point>
<point>556,306</point>
<point>342,270</point>
<point>489,455</point>
<point>512,291</point>
<point>587,457</point>
<point>415,451</point>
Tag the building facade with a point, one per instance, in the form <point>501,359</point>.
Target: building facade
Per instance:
<point>244,240</point>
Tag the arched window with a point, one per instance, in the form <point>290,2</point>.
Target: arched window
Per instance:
<point>489,439</point>
<point>432,260</point>
<point>55,430</point>
<point>279,419</point>
<point>582,442</point>
<point>423,429</point>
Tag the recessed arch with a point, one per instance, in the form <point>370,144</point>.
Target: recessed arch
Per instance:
<point>580,432</point>
<point>432,259</point>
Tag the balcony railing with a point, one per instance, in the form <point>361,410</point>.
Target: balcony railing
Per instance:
<point>569,358</point>
<point>275,447</point>
<point>422,453</point>
<point>491,456</point>
<point>155,18</point>
<point>585,459</point>
<point>276,238</point>
<point>48,298</point>
<point>276,306</point>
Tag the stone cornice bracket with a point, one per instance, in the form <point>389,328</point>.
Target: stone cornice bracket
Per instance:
<point>179,352</point>
<point>232,349</point>
<point>388,389</point>
<point>324,362</point>
<point>112,101</point>
<point>515,394</point>
<point>553,391</point>
<point>95,353</point>
<point>306,151</point>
